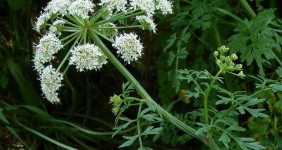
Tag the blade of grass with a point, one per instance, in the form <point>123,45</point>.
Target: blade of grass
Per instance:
<point>46,137</point>
<point>12,130</point>
<point>25,88</point>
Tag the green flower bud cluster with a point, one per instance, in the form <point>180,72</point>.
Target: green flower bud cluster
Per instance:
<point>116,101</point>
<point>226,62</point>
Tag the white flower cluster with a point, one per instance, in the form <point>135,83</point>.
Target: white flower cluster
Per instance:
<point>147,23</point>
<point>48,46</point>
<point>148,6</point>
<point>80,8</point>
<point>118,5</point>
<point>164,6</point>
<point>50,83</point>
<point>58,6</point>
<point>129,46</point>
<point>55,26</point>
<point>41,20</point>
<point>87,57</point>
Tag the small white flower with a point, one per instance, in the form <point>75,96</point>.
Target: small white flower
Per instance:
<point>58,6</point>
<point>129,46</point>
<point>81,8</point>
<point>87,57</point>
<point>108,29</point>
<point>50,83</point>
<point>41,20</point>
<point>164,6</point>
<point>119,5</point>
<point>54,27</point>
<point>47,47</point>
<point>147,23</point>
<point>148,6</point>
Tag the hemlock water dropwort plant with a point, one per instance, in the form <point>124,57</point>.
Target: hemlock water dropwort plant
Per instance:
<point>77,29</point>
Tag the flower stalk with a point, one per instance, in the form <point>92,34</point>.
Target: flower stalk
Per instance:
<point>206,97</point>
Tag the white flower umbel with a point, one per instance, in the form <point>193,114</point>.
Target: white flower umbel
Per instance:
<point>164,6</point>
<point>48,45</point>
<point>129,46</point>
<point>56,25</point>
<point>58,6</point>
<point>147,23</point>
<point>87,57</point>
<point>81,8</point>
<point>119,5</point>
<point>148,6</point>
<point>41,20</point>
<point>50,83</point>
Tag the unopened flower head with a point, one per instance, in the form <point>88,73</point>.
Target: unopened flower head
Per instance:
<point>129,46</point>
<point>116,101</point>
<point>48,45</point>
<point>41,20</point>
<point>118,5</point>
<point>50,83</point>
<point>241,75</point>
<point>164,6</point>
<point>148,6</point>
<point>108,29</point>
<point>81,8</point>
<point>226,63</point>
<point>87,57</point>
<point>58,6</point>
<point>147,23</point>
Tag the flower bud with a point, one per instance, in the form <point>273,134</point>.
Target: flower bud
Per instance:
<point>116,100</point>
<point>234,57</point>
<point>223,49</point>
<point>241,75</point>
<point>238,67</point>
<point>215,53</point>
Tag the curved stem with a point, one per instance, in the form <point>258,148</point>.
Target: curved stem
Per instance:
<point>150,102</point>
<point>228,14</point>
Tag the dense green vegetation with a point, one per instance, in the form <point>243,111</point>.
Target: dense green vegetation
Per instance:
<point>185,68</point>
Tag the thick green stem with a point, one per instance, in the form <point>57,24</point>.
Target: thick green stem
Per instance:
<point>206,97</point>
<point>182,126</point>
<point>248,8</point>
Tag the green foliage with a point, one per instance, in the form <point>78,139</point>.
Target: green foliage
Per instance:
<point>145,120</point>
<point>257,39</point>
